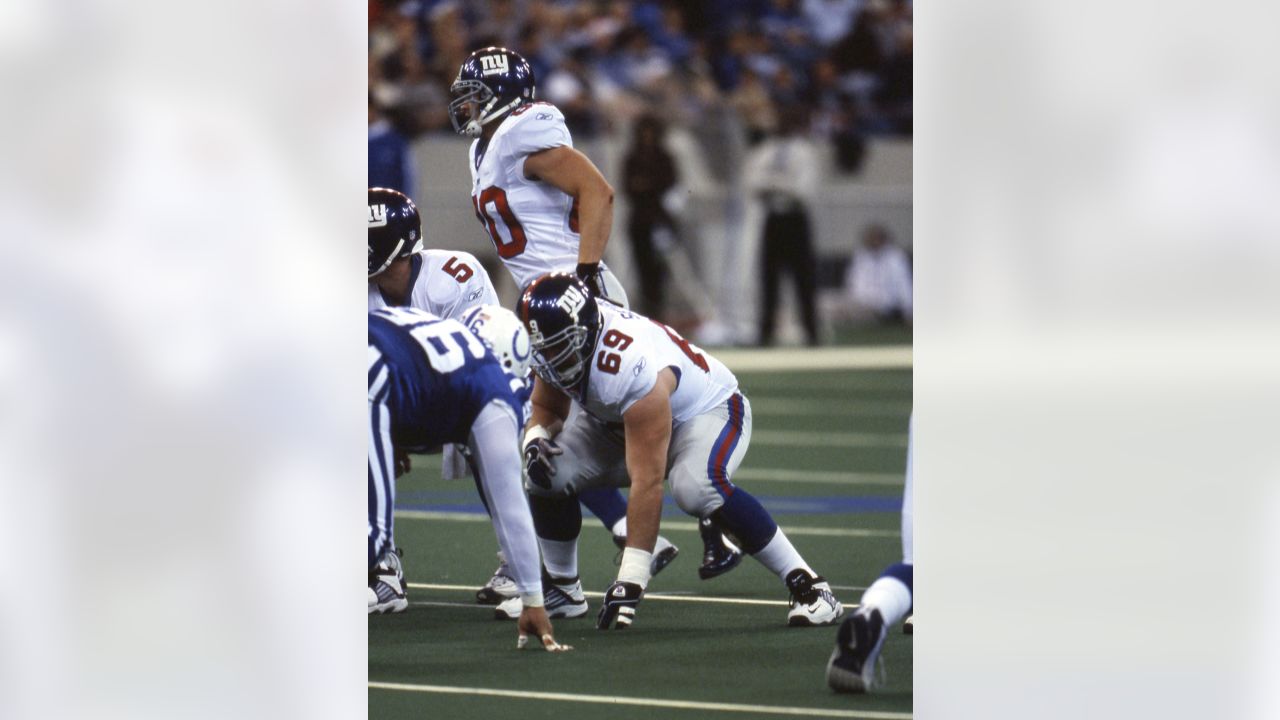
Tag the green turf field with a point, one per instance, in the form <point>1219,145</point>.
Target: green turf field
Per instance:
<point>826,457</point>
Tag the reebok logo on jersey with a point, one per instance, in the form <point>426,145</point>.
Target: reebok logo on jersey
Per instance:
<point>639,366</point>
<point>572,302</point>
<point>493,64</point>
<point>377,215</point>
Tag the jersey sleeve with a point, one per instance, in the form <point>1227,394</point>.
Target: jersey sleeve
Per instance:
<point>541,126</point>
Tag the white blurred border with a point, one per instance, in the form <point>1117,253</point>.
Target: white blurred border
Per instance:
<point>180,432</point>
<point>1096,219</point>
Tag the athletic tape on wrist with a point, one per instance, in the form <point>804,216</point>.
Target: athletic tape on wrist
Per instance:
<point>533,599</point>
<point>537,432</point>
<point>635,566</point>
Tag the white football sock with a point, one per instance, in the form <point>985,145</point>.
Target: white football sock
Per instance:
<point>780,556</point>
<point>560,557</point>
<point>620,528</point>
<point>891,597</point>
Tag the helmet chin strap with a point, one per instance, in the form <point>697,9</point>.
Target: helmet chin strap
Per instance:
<point>474,127</point>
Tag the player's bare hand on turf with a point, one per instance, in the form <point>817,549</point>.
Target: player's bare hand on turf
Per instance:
<point>534,621</point>
<point>537,461</point>
<point>619,606</point>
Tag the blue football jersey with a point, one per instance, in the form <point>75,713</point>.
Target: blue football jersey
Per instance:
<point>439,378</point>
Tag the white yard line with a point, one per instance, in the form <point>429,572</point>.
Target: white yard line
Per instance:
<point>647,596</point>
<point>642,702</point>
<point>829,358</point>
<point>680,526</point>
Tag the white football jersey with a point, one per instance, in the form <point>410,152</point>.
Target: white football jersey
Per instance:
<point>533,225</point>
<point>629,353</point>
<point>445,283</point>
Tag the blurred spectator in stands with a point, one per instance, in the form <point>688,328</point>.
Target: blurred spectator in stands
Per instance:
<point>894,93</point>
<point>836,117</point>
<point>568,87</point>
<point>829,20</point>
<point>878,282</point>
<point>754,106</point>
<point>783,173</point>
<point>390,164</point>
<point>649,173</point>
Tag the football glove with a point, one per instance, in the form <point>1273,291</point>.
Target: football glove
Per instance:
<point>537,461</point>
<point>589,274</point>
<point>619,606</point>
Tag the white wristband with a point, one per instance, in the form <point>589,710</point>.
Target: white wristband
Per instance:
<point>533,599</point>
<point>635,566</point>
<point>537,432</point>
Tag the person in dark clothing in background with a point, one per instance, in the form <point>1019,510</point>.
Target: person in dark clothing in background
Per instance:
<point>782,172</point>
<point>389,158</point>
<point>649,172</point>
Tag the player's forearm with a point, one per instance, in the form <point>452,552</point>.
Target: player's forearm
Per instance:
<point>595,221</point>
<point>498,465</point>
<point>644,512</point>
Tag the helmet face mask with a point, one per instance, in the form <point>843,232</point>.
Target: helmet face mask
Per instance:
<point>559,359</point>
<point>471,96</point>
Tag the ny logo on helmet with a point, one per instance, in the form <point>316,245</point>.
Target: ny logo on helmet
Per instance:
<point>493,64</point>
<point>571,302</point>
<point>377,215</point>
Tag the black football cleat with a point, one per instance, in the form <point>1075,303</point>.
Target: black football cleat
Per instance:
<point>719,556</point>
<point>852,666</point>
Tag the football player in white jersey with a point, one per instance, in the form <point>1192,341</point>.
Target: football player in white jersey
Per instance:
<point>547,208</point>
<point>654,408</point>
<point>445,283</point>
<point>448,284</point>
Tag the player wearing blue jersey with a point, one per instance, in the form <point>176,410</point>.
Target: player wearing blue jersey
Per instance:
<point>417,365</point>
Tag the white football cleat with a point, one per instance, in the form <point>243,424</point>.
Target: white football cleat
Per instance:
<point>562,600</point>
<point>500,587</point>
<point>386,585</point>
<point>812,602</point>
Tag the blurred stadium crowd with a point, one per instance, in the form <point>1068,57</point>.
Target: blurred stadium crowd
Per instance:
<point>732,129</point>
<point>847,62</point>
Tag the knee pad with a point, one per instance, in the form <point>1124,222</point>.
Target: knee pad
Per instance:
<point>696,498</point>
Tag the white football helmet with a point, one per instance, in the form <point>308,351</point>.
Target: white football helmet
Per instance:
<point>503,334</point>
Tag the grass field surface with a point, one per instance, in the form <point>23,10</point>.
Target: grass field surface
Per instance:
<point>826,458</point>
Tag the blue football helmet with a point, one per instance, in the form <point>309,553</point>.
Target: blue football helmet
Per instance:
<point>563,320</point>
<point>395,228</point>
<point>491,82</point>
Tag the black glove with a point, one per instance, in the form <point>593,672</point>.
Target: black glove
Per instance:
<point>589,274</point>
<point>620,602</point>
<point>537,461</point>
